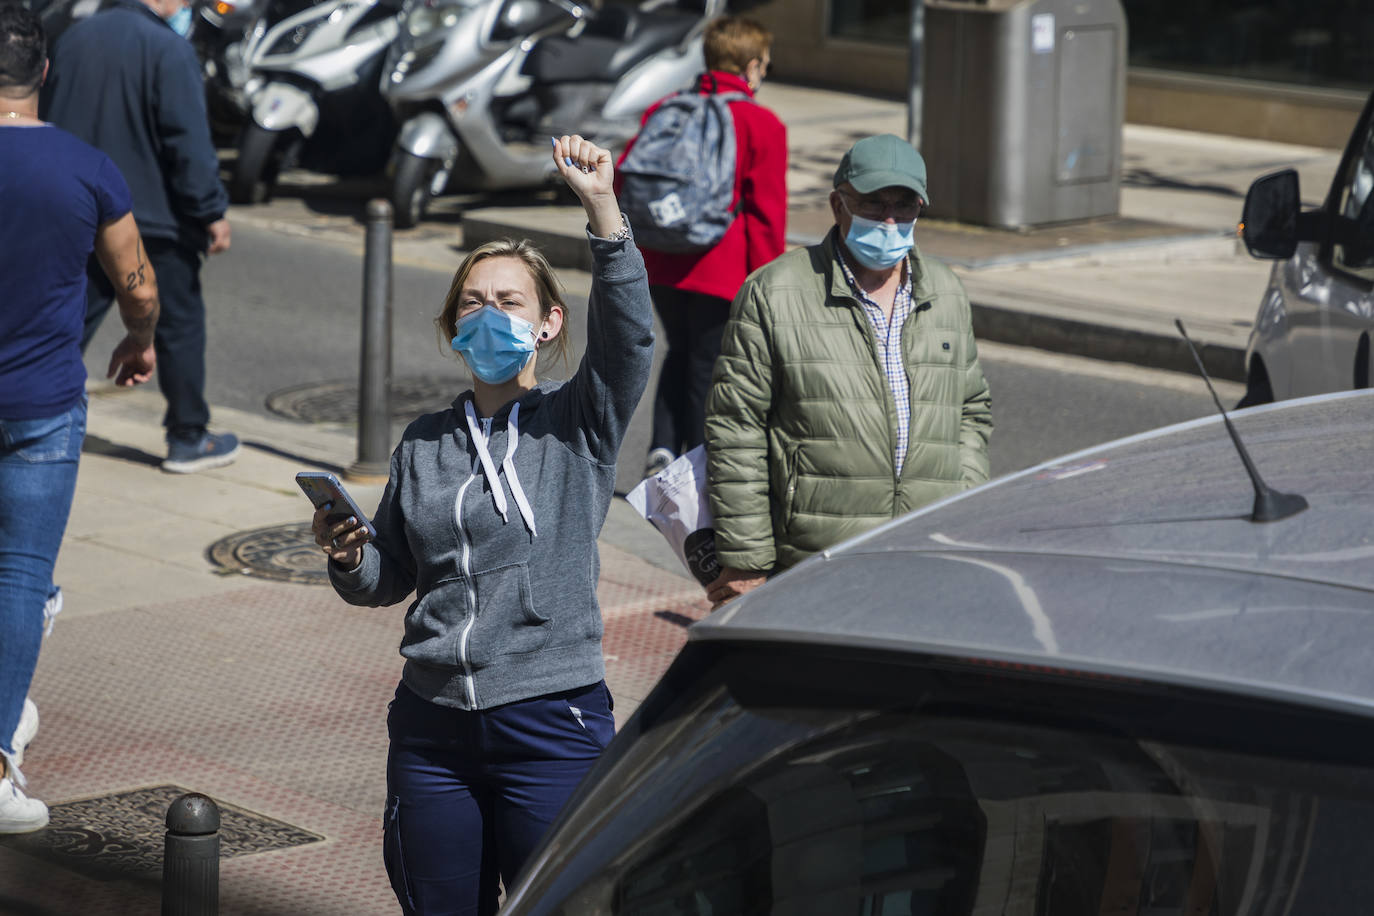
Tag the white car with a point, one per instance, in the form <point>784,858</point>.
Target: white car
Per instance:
<point>1312,333</point>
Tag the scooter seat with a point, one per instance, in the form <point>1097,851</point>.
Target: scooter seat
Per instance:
<point>607,50</point>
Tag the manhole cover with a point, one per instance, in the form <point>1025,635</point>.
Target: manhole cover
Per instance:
<point>113,836</point>
<point>337,402</point>
<point>284,553</point>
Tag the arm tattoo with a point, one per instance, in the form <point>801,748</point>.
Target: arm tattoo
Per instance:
<point>137,278</point>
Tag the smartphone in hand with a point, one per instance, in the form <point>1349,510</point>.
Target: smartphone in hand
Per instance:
<point>324,489</point>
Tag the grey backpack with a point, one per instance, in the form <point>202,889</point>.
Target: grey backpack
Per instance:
<point>679,178</point>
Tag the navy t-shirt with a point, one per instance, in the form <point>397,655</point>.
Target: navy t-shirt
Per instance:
<point>55,192</point>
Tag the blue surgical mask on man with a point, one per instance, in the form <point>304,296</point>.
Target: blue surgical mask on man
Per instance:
<point>180,21</point>
<point>876,245</point>
<point>496,345</point>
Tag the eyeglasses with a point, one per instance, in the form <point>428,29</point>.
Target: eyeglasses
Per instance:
<point>903,210</point>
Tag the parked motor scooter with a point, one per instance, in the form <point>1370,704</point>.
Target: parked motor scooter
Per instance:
<point>318,104</point>
<point>479,86</point>
<point>221,27</point>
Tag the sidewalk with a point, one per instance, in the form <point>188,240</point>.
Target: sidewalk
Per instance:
<point>167,673</point>
<point>172,669</point>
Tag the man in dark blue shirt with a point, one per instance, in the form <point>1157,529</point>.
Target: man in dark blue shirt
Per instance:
<point>126,83</point>
<point>61,201</point>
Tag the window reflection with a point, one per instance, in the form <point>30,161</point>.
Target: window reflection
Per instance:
<point>1354,248</point>
<point>1313,43</point>
<point>883,21</point>
<point>798,812</point>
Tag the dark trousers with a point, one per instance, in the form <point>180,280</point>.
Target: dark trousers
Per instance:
<point>180,337</point>
<point>471,794</point>
<point>693,324</point>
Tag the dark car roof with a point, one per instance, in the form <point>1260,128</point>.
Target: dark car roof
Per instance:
<point>1134,558</point>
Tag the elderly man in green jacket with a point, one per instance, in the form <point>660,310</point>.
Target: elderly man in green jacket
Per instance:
<point>848,390</point>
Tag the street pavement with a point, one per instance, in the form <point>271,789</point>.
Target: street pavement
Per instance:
<point>198,651</point>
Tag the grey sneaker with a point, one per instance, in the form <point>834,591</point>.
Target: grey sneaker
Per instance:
<point>24,731</point>
<point>659,459</point>
<point>18,812</point>
<point>211,450</point>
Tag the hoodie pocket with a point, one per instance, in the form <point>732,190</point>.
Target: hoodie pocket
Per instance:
<point>434,623</point>
<point>507,623</point>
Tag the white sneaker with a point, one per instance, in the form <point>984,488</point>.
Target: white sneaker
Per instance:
<point>18,812</point>
<point>24,731</point>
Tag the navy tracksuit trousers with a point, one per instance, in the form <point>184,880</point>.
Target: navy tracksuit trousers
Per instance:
<point>471,794</point>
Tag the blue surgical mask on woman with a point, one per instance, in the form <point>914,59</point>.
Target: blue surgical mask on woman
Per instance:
<point>180,21</point>
<point>496,345</point>
<point>876,245</point>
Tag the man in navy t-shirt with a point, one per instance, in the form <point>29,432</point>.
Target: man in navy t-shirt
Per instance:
<point>62,200</point>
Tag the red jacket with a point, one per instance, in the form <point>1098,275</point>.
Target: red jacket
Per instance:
<point>757,234</point>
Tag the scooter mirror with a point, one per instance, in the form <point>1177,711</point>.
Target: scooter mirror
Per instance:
<point>527,17</point>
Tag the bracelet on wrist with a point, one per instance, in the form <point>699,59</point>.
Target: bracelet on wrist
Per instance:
<point>622,233</point>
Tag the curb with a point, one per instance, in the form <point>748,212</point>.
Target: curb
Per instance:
<point>563,242</point>
<point>1151,349</point>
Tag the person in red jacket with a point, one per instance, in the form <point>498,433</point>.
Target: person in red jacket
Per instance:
<point>692,292</point>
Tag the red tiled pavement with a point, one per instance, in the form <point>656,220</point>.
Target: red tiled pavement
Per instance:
<point>269,697</point>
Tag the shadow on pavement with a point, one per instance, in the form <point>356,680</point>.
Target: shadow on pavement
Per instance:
<point>1145,178</point>
<point>95,445</point>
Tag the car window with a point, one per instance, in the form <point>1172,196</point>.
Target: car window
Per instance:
<point>731,807</point>
<point>1353,250</point>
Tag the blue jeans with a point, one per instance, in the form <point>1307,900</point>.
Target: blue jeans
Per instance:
<point>471,794</point>
<point>38,460</point>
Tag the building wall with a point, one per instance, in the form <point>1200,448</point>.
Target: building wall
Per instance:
<point>804,52</point>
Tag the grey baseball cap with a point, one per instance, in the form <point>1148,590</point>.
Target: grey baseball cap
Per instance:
<point>883,161</point>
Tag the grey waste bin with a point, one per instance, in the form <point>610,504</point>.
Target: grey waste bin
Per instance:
<point>1022,107</point>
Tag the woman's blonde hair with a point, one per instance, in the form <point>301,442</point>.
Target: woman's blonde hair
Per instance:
<point>546,285</point>
<point>732,41</point>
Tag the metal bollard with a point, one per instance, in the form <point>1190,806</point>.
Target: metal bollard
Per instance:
<point>374,373</point>
<point>190,858</point>
<point>915,72</point>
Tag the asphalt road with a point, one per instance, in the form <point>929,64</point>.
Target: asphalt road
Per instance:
<point>285,312</point>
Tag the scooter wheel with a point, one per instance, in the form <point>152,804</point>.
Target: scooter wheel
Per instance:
<point>412,189</point>
<point>255,173</point>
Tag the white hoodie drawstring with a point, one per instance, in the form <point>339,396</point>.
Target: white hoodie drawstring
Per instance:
<point>498,492</point>
<point>508,463</point>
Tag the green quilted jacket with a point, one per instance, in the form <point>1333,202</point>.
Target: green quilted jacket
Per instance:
<point>801,425</point>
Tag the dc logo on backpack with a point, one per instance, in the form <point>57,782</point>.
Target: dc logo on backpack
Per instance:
<point>667,210</point>
<point>678,186</point>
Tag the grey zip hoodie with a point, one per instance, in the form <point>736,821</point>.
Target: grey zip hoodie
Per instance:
<point>501,614</point>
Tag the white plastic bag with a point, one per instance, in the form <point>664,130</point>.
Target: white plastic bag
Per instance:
<point>674,501</point>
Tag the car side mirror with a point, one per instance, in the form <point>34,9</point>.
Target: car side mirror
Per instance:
<point>1269,220</point>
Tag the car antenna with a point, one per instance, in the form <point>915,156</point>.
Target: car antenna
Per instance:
<point>1270,504</point>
